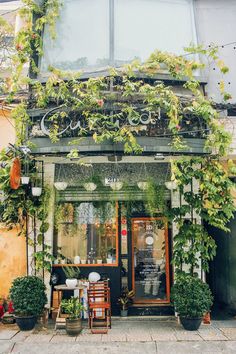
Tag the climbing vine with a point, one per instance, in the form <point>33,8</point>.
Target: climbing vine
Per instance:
<point>124,91</point>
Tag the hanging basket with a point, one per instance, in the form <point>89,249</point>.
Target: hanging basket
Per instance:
<point>116,186</point>
<point>90,186</point>
<point>15,173</point>
<point>60,186</point>
<point>142,185</point>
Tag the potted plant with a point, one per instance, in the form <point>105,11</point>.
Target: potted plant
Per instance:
<point>73,307</point>
<point>29,298</point>
<point>72,275</point>
<point>125,300</point>
<point>192,298</point>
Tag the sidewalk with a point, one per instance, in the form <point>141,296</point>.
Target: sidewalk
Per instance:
<point>126,336</point>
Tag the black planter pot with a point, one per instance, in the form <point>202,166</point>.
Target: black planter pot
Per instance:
<point>191,324</point>
<point>26,323</point>
<point>124,313</point>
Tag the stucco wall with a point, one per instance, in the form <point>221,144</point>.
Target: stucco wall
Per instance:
<point>12,258</point>
<point>12,247</point>
<point>7,130</point>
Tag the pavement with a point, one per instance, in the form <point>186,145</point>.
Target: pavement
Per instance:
<point>131,336</point>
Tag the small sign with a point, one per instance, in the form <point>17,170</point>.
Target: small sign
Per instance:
<point>109,180</point>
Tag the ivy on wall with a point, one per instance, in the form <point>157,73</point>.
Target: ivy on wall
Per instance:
<point>122,88</point>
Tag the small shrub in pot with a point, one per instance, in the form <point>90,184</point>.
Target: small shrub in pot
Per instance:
<point>192,298</point>
<point>73,307</point>
<point>29,298</point>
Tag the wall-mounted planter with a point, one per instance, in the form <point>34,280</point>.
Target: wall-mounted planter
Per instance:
<point>36,191</point>
<point>116,186</point>
<point>60,186</point>
<point>90,186</point>
<point>142,185</point>
<point>25,180</point>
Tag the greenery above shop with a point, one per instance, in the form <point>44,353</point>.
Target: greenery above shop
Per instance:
<point>124,91</point>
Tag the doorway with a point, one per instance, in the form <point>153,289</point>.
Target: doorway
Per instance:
<point>150,260</point>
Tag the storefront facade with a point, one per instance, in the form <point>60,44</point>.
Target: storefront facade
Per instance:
<point>111,217</point>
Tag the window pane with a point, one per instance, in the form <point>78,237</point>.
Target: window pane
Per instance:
<point>141,26</point>
<point>149,257</point>
<point>90,235</point>
<point>82,36</point>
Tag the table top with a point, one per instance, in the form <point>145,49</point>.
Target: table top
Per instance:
<point>65,287</point>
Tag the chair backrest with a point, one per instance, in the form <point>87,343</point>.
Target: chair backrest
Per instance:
<point>99,292</point>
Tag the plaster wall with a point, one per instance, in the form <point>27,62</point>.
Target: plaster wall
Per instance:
<point>12,247</point>
<point>12,258</point>
<point>7,130</point>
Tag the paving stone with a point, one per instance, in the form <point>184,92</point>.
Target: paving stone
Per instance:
<point>39,338</point>
<point>6,346</point>
<point>163,336</point>
<point>7,333</point>
<point>114,338</point>
<point>211,334</point>
<point>230,333</point>
<point>89,337</point>
<point>187,336</point>
<point>62,338</point>
<point>191,347</point>
<point>86,348</point>
<point>21,336</point>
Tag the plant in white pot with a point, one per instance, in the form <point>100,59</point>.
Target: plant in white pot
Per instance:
<point>72,275</point>
<point>73,307</point>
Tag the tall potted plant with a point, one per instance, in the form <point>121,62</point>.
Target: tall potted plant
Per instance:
<point>73,307</point>
<point>192,298</point>
<point>29,298</point>
<point>125,300</point>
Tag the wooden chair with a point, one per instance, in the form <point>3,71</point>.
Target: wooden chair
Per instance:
<point>99,307</point>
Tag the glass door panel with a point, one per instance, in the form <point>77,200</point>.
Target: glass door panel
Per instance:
<point>150,260</point>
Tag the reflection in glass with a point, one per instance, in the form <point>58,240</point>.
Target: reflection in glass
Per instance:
<point>91,237</point>
<point>149,259</point>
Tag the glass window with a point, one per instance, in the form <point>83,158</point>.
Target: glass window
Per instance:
<point>150,259</point>
<point>93,33</point>
<point>141,26</point>
<point>87,233</point>
<point>82,36</point>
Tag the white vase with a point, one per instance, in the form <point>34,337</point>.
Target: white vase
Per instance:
<point>109,260</point>
<point>71,283</point>
<point>25,180</point>
<point>83,261</point>
<point>77,260</point>
<point>36,191</point>
<point>99,261</point>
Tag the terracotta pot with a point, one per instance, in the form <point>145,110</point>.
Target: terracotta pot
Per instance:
<point>207,318</point>
<point>15,174</point>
